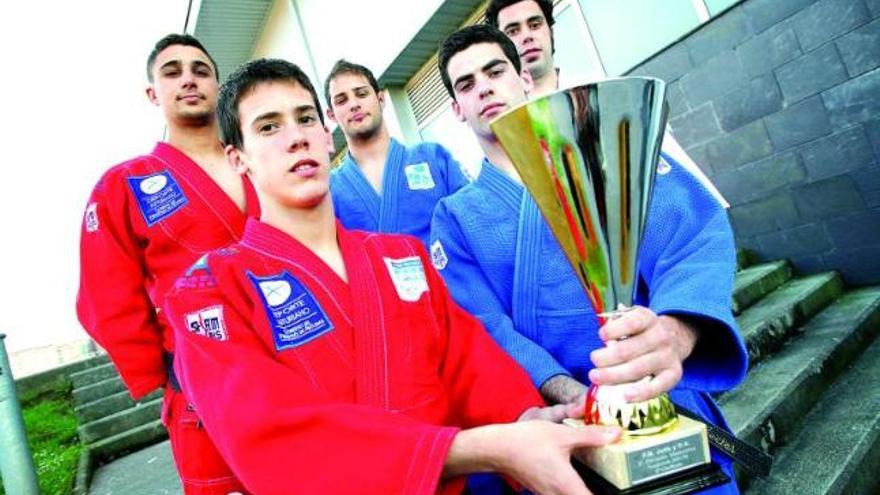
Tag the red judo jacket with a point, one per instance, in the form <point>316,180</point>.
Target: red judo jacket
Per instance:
<point>146,221</point>
<point>309,384</point>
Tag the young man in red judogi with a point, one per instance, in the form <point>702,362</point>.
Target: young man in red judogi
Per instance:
<point>324,360</point>
<point>147,220</point>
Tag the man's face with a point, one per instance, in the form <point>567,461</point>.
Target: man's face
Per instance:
<point>355,106</point>
<point>485,84</point>
<point>184,84</point>
<point>286,148</point>
<point>524,23</point>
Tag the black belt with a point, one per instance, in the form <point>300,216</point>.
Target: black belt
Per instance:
<point>754,460</point>
<point>168,359</point>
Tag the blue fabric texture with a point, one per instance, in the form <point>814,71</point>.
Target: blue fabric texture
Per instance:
<point>503,264</point>
<point>408,195</point>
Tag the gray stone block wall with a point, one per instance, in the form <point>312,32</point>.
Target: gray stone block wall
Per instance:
<point>778,101</point>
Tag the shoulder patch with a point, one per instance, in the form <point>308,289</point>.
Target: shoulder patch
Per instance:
<point>91,218</point>
<point>208,322</point>
<point>294,313</point>
<point>158,196</point>
<point>408,276</point>
<point>438,255</point>
<point>418,176</point>
<point>663,166</point>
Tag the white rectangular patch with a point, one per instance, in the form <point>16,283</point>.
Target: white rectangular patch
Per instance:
<point>91,219</point>
<point>408,276</point>
<point>438,255</point>
<point>208,322</point>
<point>418,176</point>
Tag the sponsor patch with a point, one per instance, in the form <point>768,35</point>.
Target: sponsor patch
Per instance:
<point>408,276</point>
<point>158,196</point>
<point>418,176</point>
<point>208,322</point>
<point>663,166</point>
<point>91,218</point>
<point>293,311</point>
<point>438,255</point>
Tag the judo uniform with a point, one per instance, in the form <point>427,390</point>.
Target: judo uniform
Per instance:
<point>502,263</point>
<point>414,180</point>
<point>146,221</point>
<point>309,384</point>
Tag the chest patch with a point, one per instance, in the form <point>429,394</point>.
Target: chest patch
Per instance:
<point>408,276</point>
<point>418,176</point>
<point>293,311</point>
<point>208,322</point>
<point>438,255</point>
<point>158,196</point>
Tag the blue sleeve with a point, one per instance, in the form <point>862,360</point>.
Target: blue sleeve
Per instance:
<point>453,173</point>
<point>471,289</point>
<point>689,262</point>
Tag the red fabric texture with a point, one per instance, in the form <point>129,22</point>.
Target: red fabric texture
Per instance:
<point>319,417</point>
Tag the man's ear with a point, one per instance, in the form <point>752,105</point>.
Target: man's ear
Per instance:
<point>528,82</point>
<point>381,96</point>
<point>233,156</point>
<point>330,115</point>
<point>151,95</point>
<point>456,109</point>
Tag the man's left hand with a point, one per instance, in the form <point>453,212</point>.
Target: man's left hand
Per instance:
<point>638,344</point>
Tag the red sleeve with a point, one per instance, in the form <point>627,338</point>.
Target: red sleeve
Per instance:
<point>486,385</point>
<point>275,428</point>
<point>112,304</point>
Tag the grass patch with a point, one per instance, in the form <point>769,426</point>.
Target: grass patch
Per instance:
<point>51,431</point>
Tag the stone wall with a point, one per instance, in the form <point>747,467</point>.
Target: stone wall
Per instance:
<point>779,102</point>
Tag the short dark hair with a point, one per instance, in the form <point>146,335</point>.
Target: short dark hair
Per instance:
<point>495,7</point>
<point>464,38</point>
<point>243,80</point>
<point>177,39</point>
<point>343,66</point>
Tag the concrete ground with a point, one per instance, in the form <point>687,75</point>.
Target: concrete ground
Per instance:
<point>149,471</point>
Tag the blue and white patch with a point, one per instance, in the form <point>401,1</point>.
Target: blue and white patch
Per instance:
<point>438,255</point>
<point>158,196</point>
<point>91,218</point>
<point>663,166</point>
<point>418,176</point>
<point>293,311</point>
<point>408,276</point>
<point>208,322</point>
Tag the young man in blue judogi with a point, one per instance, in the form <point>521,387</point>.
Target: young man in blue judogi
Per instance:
<point>502,263</point>
<point>382,185</point>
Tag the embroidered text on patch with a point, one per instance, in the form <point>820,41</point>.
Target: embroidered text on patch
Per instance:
<point>418,176</point>
<point>408,276</point>
<point>438,255</point>
<point>91,219</point>
<point>293,311</point>
<point>208,322</point>
<point>158,196</point>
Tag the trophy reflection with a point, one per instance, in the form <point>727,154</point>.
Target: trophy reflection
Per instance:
<point>588,156</point>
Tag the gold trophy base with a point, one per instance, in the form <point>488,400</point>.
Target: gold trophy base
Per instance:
<point>649,464</point>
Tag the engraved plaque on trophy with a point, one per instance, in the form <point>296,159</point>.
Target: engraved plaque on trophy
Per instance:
<point>588,156</point>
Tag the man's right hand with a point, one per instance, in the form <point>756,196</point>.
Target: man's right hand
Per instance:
<point>537,454</point>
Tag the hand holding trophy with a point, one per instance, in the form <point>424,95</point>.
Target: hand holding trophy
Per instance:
<point>588,156</point>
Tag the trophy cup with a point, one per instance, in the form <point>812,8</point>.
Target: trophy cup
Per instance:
<point>588,156</point>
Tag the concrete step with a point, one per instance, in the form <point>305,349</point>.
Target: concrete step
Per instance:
<point>767,408</point>
<point>93,375</point>
<point>106,406</point>
<point>120,422</point>
<point>768,324</point>
<point>128,441</point>
<point>745,258</point>
<point>838,449</point>
<point>99,390</point>
<point>755,282</point>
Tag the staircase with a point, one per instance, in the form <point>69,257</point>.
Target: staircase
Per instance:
<point>111,423</point>
<point>812,396</point>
